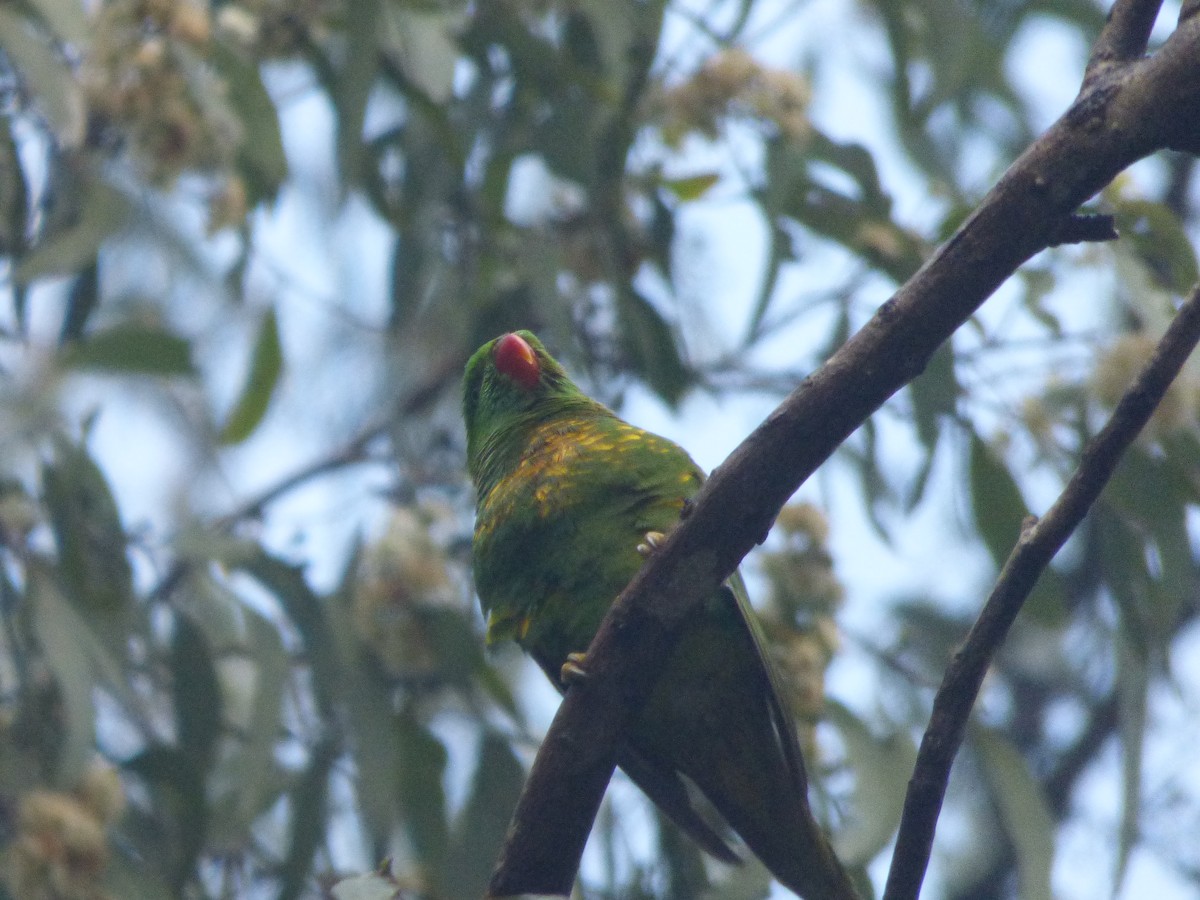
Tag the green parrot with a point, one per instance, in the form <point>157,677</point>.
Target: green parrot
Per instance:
<point>569,496</point>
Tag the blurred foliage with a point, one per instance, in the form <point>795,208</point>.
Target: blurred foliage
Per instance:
<point>247,248</point>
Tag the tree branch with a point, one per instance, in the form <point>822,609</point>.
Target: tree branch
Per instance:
<point>1125,34</point>
<point>1079,229</point>
<point>1040,540</point>
<point>1125,112</point>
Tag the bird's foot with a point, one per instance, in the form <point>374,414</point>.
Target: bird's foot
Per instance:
<point>651,542</point>
<point>572,671</point>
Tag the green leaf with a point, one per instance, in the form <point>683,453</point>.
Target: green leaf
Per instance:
<point>881,767</point>
<point>875,488</point>
<point>133,349</point>
<point>265,365</point>
<point>660,236</point>
<point>1123,553</point>
<point>779,250</point>
<point>649,345</point>
<point>1038,286</point>
<point>88,532</point>
<point>1133,683</point>
<point>49,78</point>
<point>309,813</point>
<point>179,790</point>
<point>196,693</point>
<point>856,161</point>
<point>212,606</point>
<point>1148,500</point>
<point>1023,811</point>
<point>202,544</point>
<point>67,19</point>
<point>307,613</point>
<point>691,188</point>
<point>421,767</point>
<point>371,719</point>
<point>798,186</point>
<point>261,156</point>
<point>618,30</point>
<point>106,657</point>
<point>934,395</point>
<point>481,826</point>
<point>102,212</point>
<point>14,194</point>
<point>129,878</point>
<point>254,768</point>
<point>248,780</point>
<point>1000,513</point>
<point>999,508</point>
<point>1161,242</point>
<point>408,280</point>
<point>82,301</point>
<point>64,642</point>
<point>422,43</point>
<point>353,86</point>
<point>372,886</point>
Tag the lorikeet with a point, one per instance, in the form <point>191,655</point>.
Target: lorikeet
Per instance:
<point>567,494</point>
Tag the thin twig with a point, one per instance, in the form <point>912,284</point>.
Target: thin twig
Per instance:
<point>1040,540</point>
<point>349,454</point>
<point>1089,228</point>
<point>353,452</point>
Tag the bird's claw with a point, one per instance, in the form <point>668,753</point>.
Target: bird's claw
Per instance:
<point>651,542</point>
<point>572,671</point>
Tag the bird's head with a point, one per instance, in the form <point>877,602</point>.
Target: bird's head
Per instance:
<point>508,381</point>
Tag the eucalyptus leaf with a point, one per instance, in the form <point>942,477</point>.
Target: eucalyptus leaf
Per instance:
<point>102,212</point>
<point>935,394</point>
<point>49,77</point>
<point>266,364</point>
<point>307,613</point>
<point>649,344</point>
<point>354,84</point>
<point>1133,683</point>
<point>195,691</point>
<point>133,349</point>
<point>881,767</point>
<point>371,720</point>
<point>172,776</point>
<point>692,187</point>
<point>422,766</point>
<point>1026,818</point>
<point>82,300</point>
<point>1161,242</point>
<point>88,532</point>
<point>68,654</point>
<point>67,19</point>
<point>254,770</point>
<point>422,41</point>
<point>260,153</point>
<point>371,886</point>
<point>14,194</point>
<point>107,665</point>
<point>1000,514</point>
<point>481,825</point>
<point>309,816</point>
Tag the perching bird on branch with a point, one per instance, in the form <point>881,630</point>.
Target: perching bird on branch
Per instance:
<point>569,496</point>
